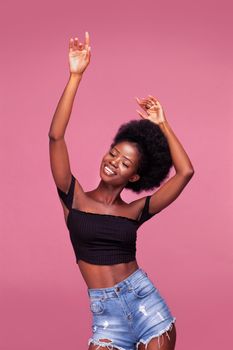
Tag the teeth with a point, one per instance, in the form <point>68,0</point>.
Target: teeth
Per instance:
<point>109,171</point>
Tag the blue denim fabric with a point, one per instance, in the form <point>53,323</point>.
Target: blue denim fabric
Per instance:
<point>130,312</point>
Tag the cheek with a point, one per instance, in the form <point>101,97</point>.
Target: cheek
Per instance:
<point>104,158</point>
<point>102,163</point>
<point>127,171</point>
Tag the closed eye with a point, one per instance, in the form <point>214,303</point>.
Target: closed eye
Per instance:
<point>113,155</point>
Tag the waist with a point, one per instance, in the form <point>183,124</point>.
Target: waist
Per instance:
<point>119,287</point>
<point>104,276</point>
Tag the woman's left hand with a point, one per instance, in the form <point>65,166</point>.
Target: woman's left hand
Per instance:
<point>153,109</point>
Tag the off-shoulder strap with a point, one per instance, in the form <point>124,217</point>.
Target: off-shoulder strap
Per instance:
<point>67,198</point>
<point>145,212</point>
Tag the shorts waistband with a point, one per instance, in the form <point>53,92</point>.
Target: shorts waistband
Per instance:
<point>118,288</point>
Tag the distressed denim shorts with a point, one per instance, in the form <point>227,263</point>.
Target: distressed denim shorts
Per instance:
<point>128,313</point>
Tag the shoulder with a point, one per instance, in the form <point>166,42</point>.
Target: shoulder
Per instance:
<point>137,206</point>
<point>138,203</point>
<point>143,205</point>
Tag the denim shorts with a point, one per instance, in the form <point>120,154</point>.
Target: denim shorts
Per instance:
<point>129,313</point>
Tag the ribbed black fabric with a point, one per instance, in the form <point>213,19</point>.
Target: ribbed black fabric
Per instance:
<point>102,239</point>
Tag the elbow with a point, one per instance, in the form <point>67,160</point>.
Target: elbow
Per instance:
<point>188,173</point>
<point>53,137</point>
<point>55,133</point>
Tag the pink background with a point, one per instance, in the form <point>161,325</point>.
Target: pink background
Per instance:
<point>178,51</point>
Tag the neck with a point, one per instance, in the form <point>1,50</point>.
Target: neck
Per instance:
<point>107,194</point>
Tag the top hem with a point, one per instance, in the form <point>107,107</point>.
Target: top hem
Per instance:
<point>107,262</point>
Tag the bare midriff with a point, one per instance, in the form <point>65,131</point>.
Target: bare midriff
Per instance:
<point>104,276</point>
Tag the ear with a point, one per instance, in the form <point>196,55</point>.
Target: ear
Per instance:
<point>134,178</point>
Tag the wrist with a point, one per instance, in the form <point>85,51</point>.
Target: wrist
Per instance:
<point>76,76</point>
<point>164,125</point>
<point>163,122</point>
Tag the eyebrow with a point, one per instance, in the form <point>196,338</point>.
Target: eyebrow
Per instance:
<point>123,156</point>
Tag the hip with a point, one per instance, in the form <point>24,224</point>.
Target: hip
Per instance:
<point>129,300</point>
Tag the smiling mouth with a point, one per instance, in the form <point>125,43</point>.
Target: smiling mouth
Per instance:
<point>108,171</point>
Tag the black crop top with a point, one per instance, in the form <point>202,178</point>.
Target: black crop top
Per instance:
<point>102,239</point>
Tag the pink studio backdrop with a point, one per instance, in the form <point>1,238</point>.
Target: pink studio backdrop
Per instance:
<point>178,51</point>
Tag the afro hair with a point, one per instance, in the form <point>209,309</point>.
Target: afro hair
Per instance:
<point>155,160</point>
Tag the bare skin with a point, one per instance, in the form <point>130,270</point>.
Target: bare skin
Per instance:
<point>123,160</point>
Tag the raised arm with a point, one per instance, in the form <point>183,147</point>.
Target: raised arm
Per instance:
<point>171,189</point>
<point>79,58</point>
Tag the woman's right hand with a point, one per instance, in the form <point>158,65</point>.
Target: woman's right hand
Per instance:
<point>79,55</point>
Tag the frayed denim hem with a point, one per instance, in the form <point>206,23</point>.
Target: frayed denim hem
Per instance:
<point>168,328</point>
<point>109,345</point>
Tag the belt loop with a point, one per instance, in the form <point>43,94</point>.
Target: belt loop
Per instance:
<point>129,286</point>
<point>127,282</point>
<point>105,295</point>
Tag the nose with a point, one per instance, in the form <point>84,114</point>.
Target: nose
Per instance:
<point>114,162</point>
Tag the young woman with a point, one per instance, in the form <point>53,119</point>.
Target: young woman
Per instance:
<point>128,310</point>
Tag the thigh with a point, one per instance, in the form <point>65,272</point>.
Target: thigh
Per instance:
<point>153,320</point>
<point>109,325</point>
<point>166,341</point>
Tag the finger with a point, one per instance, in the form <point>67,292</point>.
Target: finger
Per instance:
<point>158,103</point>
<point>141,101</point>
<point>138,100</point>
<point>144,99</point>
<point>80,46</point>
<point>76,43</point>
<point>153,98</point>
<point>89,51</point>
<point>87,40</point>
<point>148,103</point>
<point>71,44</point>
<point>144,108</point>
<point>141,115</point>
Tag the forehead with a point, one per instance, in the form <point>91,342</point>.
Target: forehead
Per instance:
<point>127,149</point>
